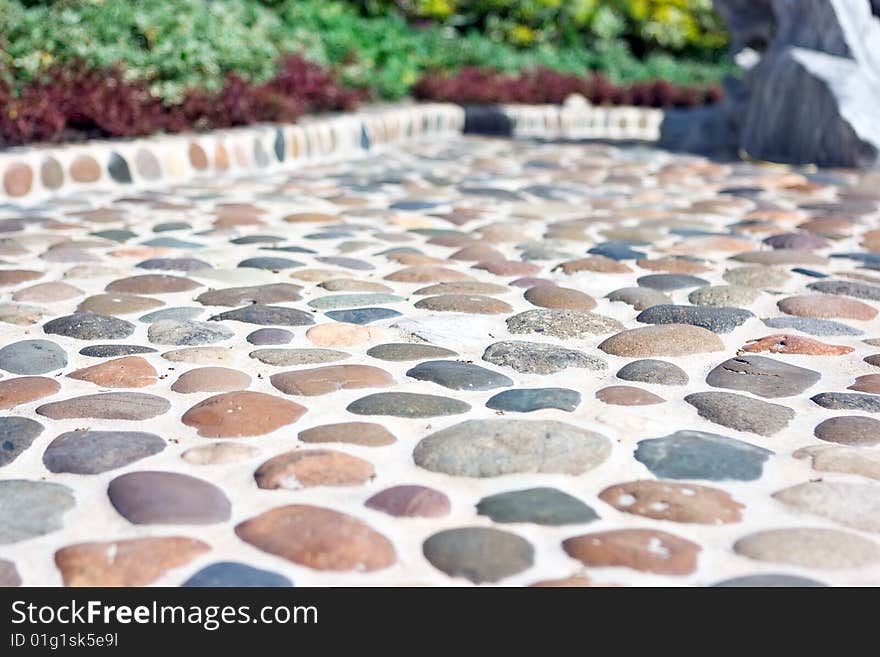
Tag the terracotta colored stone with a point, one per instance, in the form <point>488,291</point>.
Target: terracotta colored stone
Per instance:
<point>323,380</point>
<point>410,502</point>
<point>366,434</point>
<point>666,500</point>
<point>342,334</point>
<point>794,344</point>
<point>318,538</point>
<point>118,304</point>
<point>18,276</point>
<point>18,179</point>
<point>662,340</point>
<point>826,306</point>
<point>47,293</point>
<point>646,550</point>
<point>197,157</point>
<point>245,413</point>
<point>427,274</point>
<point>221,157</point>
<point>310,217</point>
<point>552,296</point>
<point>25,389</point>
<point>152,284</point>
<point>126,372</point>
<point>313,467</point>
<point>85,169</point>
<point>508,267</point>
<point>596,263</point>
<point>867,383</point>
<point>465,303</point>
<point>211,379</point>
<point>477,253</point>
<point>627,396</point>
<point>132,562</point>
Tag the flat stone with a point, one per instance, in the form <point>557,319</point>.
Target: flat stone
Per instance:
<point>489,448</point>
<point>853,430</point>
<point>670,282</point>
<point>479,554</point>
<point>408,405</point>
<point>820,327</point>
<point>243,413</point>
<point>252,294</point>
<point>845,460</point>
<point>458,375</point>
<point>177,314</point>
<point>759,277</point>
<point>362,315</point>
<point>321,539</point>
<point>167,498</point>
<point>410,502</point>
<point>666,500</point>
<point>794,344</point>
<point>335,301</point>
<point>701,455</point>
<point>107,406</point>
<point>464,303</point>
<point>563,324</point>
<point>539,358</point>
<point>32,508</point>
<point>117,304</point>
<point>353,285</point>
<point>219,453</point>
<point>152,284</point>
<point>10,277</point>
<point>552,296</point>
<point>733,296</point>
<point>718,320</point>
<point>826,306</point>
<point>427,274</point>
<point>741,413</point>
<point>171,332</point>
<point>848,289</point>
<point>324,380</point>
<point>658,372</point>
<point>267,336</point>
<point>768,580</point>
<point>25,389</point>
<point>270,263</point>
<point>17,434</point>
<point>132,562</point>
<point>342,335</point>
<point>535,399</point>
<point>93,452</point>
<point>366,434</point>
<point>405,351</point>
<point>211,379</point>
<point>540,506</point>
<point>627,396</point>
<point>89,326</point>
<point>237,575</point>
<point>174,264</point>
<point>266,315</point>
<point>47,293</point>
<point>780,257</point>
<point>125,372</point>
<point>288,357</point>
<point>21,314</point>
<point>854,505</point>
<point>313,467</point>
<point>665,340</point>
<point>762,376</point>
<point>866,383</point>
<point>463,287</point>
<point>850,401</point>
<point>810,548</point>
<point>645,550</point>
<point>596,263</point>
<point>114,350</point>
<point>32,357</point>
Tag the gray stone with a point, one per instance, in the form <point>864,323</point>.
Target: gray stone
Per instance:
<point>563,324</point>
<point>490,448</point>
<point>167,498</point>
<point>762,376</point>
<point>458,375</point>
<point>404,351</point>
<point>702,455</point>
<point>107,406</point>
<point>850,504</point>
<point>760,277</point>
<point>535,399</point>
<point>336,301</point>
<point>740,412</point>
<point>538,357</point>
<point>89,326</point>
<point>32,357</point>
<point>670,282</point>
<point>178,314</point>
<point>812,325</point>
<point>31,508</point>
<point>541,506</point>
<point>256,294</point>
<point>724,295</point>
<point>407,404</point>
<point>847,288</point>
<point>850,401</point>
<point>16,435</point>
<point>479,554</point>
<point>769,580</point>
<point>639,298</point>
<point>654,371</point>
<point>306,356</point>
<point>266,336</point>
<point>852,430</point>
<point>190,333</point>
<point>718,320</point>
<point>93,452</point>
<point>810,548</point>
<point>266,315</point>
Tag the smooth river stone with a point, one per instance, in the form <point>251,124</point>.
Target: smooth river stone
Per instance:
<point>107,406</point>
<point>47,293</point>
<point>849,401</point>
<point>866,383</point>
<point>640,298</point>
<point>190,333</point>
<point>854,505</point>
<point>541,506</point>
<point>410,502</point>
<point>408,405</point>
<point>25,389</point>
<point>539,358</point>
<point>313,467</point>
<point>243,413</point>
<point>32,357</point>
<point>666,500</point>
<point>846,460</point>
<point>342,335</point>
<point>251,294</point>
<point>762,376</point>
<point>535,399</point>
<point>93,452</point>
<point>702,455</point>
<point>820,327</point>
<point>362,315</point>
<point>232,574</point>
<point>114,350</point>
<point>32,508</point>
<point>794,344</point>
<point>464,287</point>
<point>152,284</point>
<point>182,313</point>
<point>665,340</point>
<point>645,550</point>
<point>670,282</point>
<point>366,434</point>
<point>658,372</point>
<point>490,448</point>
<point>126,372</point>
<point>266,315</point>
<point>458,375</point>
<point>563,324</point>
<point>89,326</point>
<point>270,336</point>
<point>552,296</point>
<point>211,379</point>
<point>479,554</point>
<point>337,301</point>
<point>759,277</point>
<point>132,562</point>
<point>464,303</point>
<point>717,320</point>
<point>810,548</point>
<point>734,296</point>
<point>826,306</point>
<point>289,357</point>
<point>167,498</point>
<point>627,396</point>
<point>847,288</point>
<point>740,412</point>
<point>324,380</point>
<point>853,430</point>
<point>16,435</point>
<point>318,538</point>
<point>404,351</point>
<point>117,304</point>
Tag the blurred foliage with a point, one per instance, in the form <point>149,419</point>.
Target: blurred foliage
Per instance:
<point>384,46</point>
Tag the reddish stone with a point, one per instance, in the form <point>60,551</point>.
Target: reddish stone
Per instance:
<point>24,389</point>
<point>667,500</point>
<point>126,372</point>
<point>410,502</point>
<point>366,434</point>
<point>827,306</point>
<point>794,344</point>
<point>324,380</point>
<point>211,379</point>
<point>867,383</point>
<point>313,467</point>
<point>646,550</point>
<point>245,413</point>
<point>85,169</point>
<point>197,157</point>
<point>508,267</point>
<point>18,179</point>
<point>627,396</point>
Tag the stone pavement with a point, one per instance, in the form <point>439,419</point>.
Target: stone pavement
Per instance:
<point>459,361</point>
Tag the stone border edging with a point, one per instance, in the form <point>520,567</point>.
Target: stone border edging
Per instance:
<point>34,174</point>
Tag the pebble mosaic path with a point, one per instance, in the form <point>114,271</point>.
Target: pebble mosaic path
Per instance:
<point>460,361</point>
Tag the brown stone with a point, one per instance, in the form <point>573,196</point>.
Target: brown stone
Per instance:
<point>646,550</point>
<point>18,179</point>
<point>319,538</point>
<point>313,467</point>
<point>211,379</point>
<point>310,217</point>
<point>17,276</point>
<point>427,274</point>
<point>85,169</point>
<point>477,253</point>
<point>125,372</point>
<point>668,340</point>
<point>853,430</point>
<point>324,380</point>
<point>465,303</point>
<point>197,157</point>
<point>342,334</point>
<point>673,265</point>
<point>132,562</point>
<point>628,396</point>
<point>117,304</point>
<point>244,413</point>
<point>551,296</point>
<point>666,500</point>
<point>508,267</point>
<point>794,344</point>
<point>410,502</point>
<point>596,263</point>
<point>152,284</point>
<point>51,173</point>
<point>366,434</point>
<point>47,293</point>
<point>867,383</point>
<point>24,389</point>
<point>826,306</point>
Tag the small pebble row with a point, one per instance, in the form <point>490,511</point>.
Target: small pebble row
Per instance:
<point>461,360</point>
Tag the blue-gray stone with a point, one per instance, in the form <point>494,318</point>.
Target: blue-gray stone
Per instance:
<point>257,239</point>
<point>32,357</point>
<point>617,251</point>
<point>118,169</point>
<point>89,326</point>
<point>850,401</point>
<point>236,575</point>
<point>407,404</point>
<point>765,580</point>
<point>812,325</point>
<point>339,301</point>
<point>847,288</point>
<point>540,506</point>
<point>188,333</point>
<point>270,336</point>
<point>31,508</point>
<point>16,435</point>
<point>173,243</point>
<point>181,314</point>
<point>174,264</point>
<point>93,452</point>
<point>170,226</point>
<point>347,263</point>
<point>115,235</point>
<point>114,350</point>
<point>668,282</point>
<point>535,399</point>
<point>266,315</point>
<point>701,455</point>
<point>362,315</point>
<point>716,319</point>
<point>458,375</point>
<point>809,272</point>
<point>650,370</point>
<point>270,263</point>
